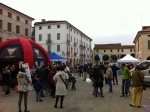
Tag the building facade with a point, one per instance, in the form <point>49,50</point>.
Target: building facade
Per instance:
<point>112,49</point>
<point>142,43</point>
<point>64,39</point>
<point>14,23</point>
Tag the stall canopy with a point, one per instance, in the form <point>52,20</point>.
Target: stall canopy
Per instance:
<point>128,58</point>
<point>56,57</point>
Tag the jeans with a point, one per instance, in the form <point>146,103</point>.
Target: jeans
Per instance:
<point>8,90</point>
<point>38,95</point>
<point>73,85</point>
<point>101,91</point>
<point>110,84</point>
<point>13,82</point>
<point>125,86</point>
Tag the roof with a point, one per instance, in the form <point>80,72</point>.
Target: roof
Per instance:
<point>145,29</point>
<point>107,46</point>
<point>16,11</point>
<point>128,46</point>
<point>63,21</point>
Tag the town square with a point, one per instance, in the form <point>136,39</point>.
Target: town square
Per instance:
<point>74,56</point>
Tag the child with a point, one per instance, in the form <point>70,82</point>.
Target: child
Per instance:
<point>73,79</point>
<point>38,87</point>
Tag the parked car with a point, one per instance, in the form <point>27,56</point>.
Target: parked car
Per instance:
<point>145,67</point>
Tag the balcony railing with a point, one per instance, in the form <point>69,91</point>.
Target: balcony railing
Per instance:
<point>81,45</point>
<point>75,44</point>
<point>68,41</point>
<point>48,41</point>
<point>75,54</point>
<point>68,53</point>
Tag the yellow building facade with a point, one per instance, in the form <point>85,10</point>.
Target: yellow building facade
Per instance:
<point>142,43</point>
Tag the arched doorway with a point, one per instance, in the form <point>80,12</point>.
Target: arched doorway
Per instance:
<point>148,58</point>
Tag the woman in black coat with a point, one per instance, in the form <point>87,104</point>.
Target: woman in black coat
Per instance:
<point>6,80</point>
<point>98,77</point>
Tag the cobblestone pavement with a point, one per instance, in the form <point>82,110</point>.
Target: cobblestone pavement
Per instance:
<point>80,100</point>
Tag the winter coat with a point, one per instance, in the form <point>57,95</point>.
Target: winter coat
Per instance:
<point>60,86</point>
<point>114,69</point>
<point>109,73</point>
<point>50,77</point>
<point>98,78</point>
<point>37,86</point>
<point>41,75</point>
<point>85,68</point>
<point>23,82</point>
<point>6,78</point>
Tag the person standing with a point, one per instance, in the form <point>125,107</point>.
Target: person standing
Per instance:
<point>6,80</point>
<point>98,77</point>
<point>125,79</point>
<point>61,90</point>
<point>109,77</point>
<point>23,82</point>
<point>114,69</point>
<point>138,80</point>
<point>85,68</point>
<point>13,72</point>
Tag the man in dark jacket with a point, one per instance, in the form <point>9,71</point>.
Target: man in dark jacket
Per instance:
<point>42,76</point>
<point>13,72</point>
<point>114,69</point>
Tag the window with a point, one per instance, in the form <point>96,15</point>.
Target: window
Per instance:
<point>40,28</point>
<point>18,18</point>
<point>0,39</point>
<point>17,29</point>
<point>71,38</point>
<point>49,36</point>
<point>97,50</point>
<point>1,24</point>
<point>77,40</point>
<point>110,50</point>
<point>58,36</point>
<point>74,31</point>
<point>118,50</point>
<point>71,29</point>
<point>40,37</point>
<point>49,48</point>
<point>67,27</point>
<point>122,50</point>
<point>77,50</point>
<point>58,26</point>
<point>77,33</point>
<point>26,32</point>
<point>118,56</point>
<point>104,50</point>
<point>9,14</point>
<point>1,11</point>
<point>9,27</point>
<point>26,21</point>
<point>134,50</point>
<point>49,27</point>
<point>58,48</point>
<point>148,44</point>
<point>148,35</point>
<point>130,50</point>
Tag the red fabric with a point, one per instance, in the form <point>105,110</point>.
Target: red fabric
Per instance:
<point>50,77</point>
<point>48,62</point>
<point>28,53</point>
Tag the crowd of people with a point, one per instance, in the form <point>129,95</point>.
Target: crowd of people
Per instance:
<point>55,80</point>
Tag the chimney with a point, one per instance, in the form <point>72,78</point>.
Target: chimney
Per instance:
<point>43,20</point>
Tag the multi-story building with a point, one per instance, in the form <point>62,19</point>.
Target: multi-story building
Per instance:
<point>112,49</point>
<point>14,23</point>
<point>64,39</point>
<point>142,43</point>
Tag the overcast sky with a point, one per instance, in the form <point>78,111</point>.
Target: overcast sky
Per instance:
<point>105,21</point>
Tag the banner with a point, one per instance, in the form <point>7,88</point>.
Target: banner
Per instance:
<point>100,57</point>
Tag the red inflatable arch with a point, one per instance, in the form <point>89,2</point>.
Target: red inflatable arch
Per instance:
<point>24,50</point>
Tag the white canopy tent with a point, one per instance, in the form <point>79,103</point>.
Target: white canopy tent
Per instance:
<point>129,58</point>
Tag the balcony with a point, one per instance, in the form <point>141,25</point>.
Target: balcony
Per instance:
<point>68,41</point>
<point>84,47</point>
<point>75,54</point>
<point>88,49</point>
<point>84,55</point>
<point>81,45</point>
<point>49,52</point>
<point>88,56</point>
<point>68,53</point>
<point>81,55</point>
<point>48,41</point>
<point>75,44</point>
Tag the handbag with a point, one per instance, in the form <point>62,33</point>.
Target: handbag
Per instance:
<point>144,87</point>
<point>4,88</point>
<point>63,81</point>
